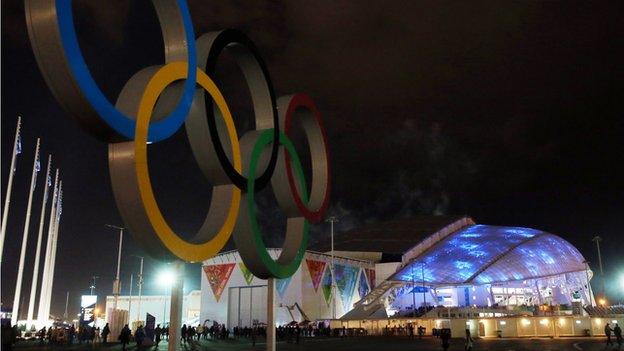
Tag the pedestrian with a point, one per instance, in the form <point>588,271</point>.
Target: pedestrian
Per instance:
<point>139,335</point>
<point>445,335</point>
<point>183,332</point>
<point>608,331</point>
<point>157,333</point>
<point>468,342</point>
<point>124,337</point>
<point>105,332</point>
<point>618,335</point>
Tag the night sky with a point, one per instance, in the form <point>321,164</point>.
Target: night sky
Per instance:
<point>509,112</point>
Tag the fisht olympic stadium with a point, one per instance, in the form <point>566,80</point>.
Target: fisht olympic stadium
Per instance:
<point>409,268</point>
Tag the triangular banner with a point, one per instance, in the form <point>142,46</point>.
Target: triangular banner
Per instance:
<point>246,273</point>
<point>281,285</point>
<point>327,285</point>
<point>316,269</point>
<point>363,288</point>
<point>346,277</point>
<point>218,276</point>
<point>370,274</point>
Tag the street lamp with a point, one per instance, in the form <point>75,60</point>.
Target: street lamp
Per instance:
<point>166,279</point>
<point>140,283</point>
<point>116,284</point>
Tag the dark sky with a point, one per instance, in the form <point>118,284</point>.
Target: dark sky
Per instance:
<point>510,112</point>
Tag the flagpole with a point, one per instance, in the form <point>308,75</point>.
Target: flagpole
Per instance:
<point>57,214</point>
<point>35,278</point>
<point>20,271</point>
<point>7,196</point>
<point>46,263</point>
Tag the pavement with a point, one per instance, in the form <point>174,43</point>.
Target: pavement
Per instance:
<point>371,343</point>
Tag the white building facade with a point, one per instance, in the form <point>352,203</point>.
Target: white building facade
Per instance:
<point>231,295</point>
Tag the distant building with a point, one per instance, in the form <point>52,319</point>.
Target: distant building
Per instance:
<point>397,267</point>
<point>157,305</point>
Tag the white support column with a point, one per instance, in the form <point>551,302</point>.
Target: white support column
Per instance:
<point>35,277</point>
<point>270,332</point>
<point>20,270</point>
<point>175,316</point>
<point>57,220</point>
<point>41,316</point>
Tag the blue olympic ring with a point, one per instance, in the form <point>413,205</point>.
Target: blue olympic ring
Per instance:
<point>112,116</point>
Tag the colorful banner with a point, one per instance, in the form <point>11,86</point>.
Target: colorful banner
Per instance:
<point>346,277</point>
<point>246,273</point>
<point>218,276</point>
<point>316,269</point>
<point>370,274</point>
<point>327,285</point>
<point>363,288</point>
<point>281,285</point>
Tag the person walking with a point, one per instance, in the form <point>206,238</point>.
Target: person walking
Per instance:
<point>157,333</point>
<point>139,335</point>
<point>124,337</point>
<point>183,332</point>
<point>445,335</point>
<point>105,332</point>
<point>618,335</point>
<point>607,331</point>
<point>469,341</point>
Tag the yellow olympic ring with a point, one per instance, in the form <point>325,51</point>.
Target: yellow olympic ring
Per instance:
<point>189,251</point>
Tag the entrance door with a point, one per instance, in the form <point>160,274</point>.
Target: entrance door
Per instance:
<point>481,329</point>
<point>246,305</point>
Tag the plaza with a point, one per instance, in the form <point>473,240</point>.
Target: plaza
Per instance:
<point>367,344</point>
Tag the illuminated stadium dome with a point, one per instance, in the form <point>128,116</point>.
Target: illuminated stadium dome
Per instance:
<point>408,268</point>
<point>462,264</point>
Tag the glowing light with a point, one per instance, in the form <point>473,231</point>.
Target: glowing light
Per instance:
<point>598,321</point>
<point>525,321</point>
<point>468,323</point>
<point>166,278</point>
<point>505,323</point>
<point>544,321</point>
<point>562,321</point>
<point>614,321</point>
<point>578,321</point>
<point>602,302</point>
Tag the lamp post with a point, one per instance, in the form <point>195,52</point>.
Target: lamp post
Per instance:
<point>116,283</point>
<point>166,279</point>
<point>597,240</point>
<point>140,284</point>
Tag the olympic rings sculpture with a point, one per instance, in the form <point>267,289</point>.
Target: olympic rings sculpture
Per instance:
<point>154,104</point>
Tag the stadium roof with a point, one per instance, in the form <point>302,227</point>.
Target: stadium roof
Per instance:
<point>393,237</point>
<point>484,254</point>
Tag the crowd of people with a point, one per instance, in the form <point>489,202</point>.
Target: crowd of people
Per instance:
<point>617,332</point>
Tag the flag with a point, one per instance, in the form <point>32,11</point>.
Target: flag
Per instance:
<point>316,269</point>
<point>18,149</point>
<point>246,273</point>
<point>37,162</point>
<point>59,205</point>
<point>281,285</point>
<point>218,276</point>
<point>346,278</point>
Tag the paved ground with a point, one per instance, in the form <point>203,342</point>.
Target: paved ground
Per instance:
<point>361,343</point>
